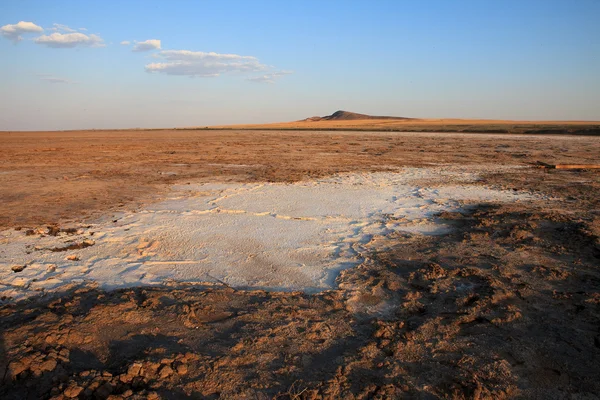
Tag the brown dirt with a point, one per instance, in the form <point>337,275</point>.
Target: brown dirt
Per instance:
<point>53,177</point>
<point>505,306</point>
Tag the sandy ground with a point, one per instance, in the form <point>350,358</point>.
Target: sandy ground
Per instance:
<point>506,304</point>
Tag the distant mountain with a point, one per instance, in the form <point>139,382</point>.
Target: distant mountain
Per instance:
<point>347,116</point>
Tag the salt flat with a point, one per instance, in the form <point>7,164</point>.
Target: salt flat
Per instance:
<point>276,236</point>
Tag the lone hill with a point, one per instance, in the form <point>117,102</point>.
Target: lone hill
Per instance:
<point>350,121</point>
<point>350,116</point>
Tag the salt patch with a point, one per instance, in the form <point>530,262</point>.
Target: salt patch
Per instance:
<point>268,235</point>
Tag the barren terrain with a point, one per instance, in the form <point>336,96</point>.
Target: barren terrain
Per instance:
<point>505,303</point>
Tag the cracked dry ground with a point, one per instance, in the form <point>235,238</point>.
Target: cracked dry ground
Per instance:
<point>505,306</point>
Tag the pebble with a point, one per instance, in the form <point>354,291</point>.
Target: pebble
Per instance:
<point>48,365</point>
<point>165,372</point>
<point>73,391</point>
<point>134,369</point>
<point>15,368</point>
<point>182,369</point>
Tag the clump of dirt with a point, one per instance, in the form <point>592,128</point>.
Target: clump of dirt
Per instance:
<point>51,230</point>
<point>74,246</point>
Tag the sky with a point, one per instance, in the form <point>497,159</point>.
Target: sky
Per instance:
<point>147,64</point>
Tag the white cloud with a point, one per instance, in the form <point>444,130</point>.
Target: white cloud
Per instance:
<point>70,40</point>
<point>146,45</point>
<point>198,63</point>
<point>125,42</point>
<point>13,32</point>
<point>269,78</point>
<point>61,28</point>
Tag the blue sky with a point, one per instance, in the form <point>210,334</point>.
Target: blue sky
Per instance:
<point>221,62</point>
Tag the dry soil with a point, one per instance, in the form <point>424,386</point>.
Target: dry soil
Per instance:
<point>507,305</point>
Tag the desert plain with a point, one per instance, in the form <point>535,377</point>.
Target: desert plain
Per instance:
<point>274,262</point>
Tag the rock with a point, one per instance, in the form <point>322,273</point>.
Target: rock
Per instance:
<point>92,387</point>
<point>51,268</point>
<point>18,268</point>
<point>434,271</point>
<point>63,355</point>
<point>165,372</point>
<point>48,365</point>
<point>53,230</point>
<point>152,396</point>
<point>182,369</point>
<point>72,258</point>
<point>149,370</point>
<point>190,357</point>
<point>134,369</point>
<point>73,391</point>
<point>127,393</point>
<point>15,368</point>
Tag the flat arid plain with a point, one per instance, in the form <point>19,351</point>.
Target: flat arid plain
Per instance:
<point>304,261</point>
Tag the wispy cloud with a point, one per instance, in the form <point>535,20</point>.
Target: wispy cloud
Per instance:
<point>146,45</point>
<point>13,32</point>
<point>54,79</point>
<point>125,43</point>
<point>187,55</point>
<point>70,40</point>
<point>198,63</point>
<point>269,78</point>
<point>61,28</point>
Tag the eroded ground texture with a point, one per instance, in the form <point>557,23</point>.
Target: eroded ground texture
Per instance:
<point>496,296</point>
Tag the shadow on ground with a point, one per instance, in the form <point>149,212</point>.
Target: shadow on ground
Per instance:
<point>506,305</point>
